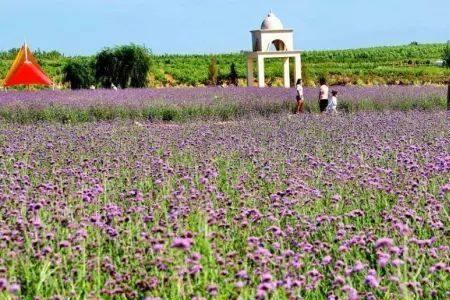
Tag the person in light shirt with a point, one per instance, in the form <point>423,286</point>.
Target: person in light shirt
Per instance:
<point>300,97</point>
<point>323,95</point>
<point>332,104</point>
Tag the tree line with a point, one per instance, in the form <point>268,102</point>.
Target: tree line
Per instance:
<point>125,67</point>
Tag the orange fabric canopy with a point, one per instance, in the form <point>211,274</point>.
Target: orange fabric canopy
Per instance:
<point>26,70</point>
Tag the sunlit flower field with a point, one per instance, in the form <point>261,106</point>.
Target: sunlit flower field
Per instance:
<point>187,104</point>
<point>208,95</point>
<point>354,206</point>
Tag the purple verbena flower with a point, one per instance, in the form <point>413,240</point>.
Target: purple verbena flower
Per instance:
<point>182,243</point>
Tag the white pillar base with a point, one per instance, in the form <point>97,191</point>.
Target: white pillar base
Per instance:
<point>250,71</point>
<point>261,74</point>
<point>287,79</point>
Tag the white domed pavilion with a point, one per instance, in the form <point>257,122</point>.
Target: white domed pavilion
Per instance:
<point>272,41</point>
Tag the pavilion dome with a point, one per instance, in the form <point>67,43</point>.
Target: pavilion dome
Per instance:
<point>271,22</point>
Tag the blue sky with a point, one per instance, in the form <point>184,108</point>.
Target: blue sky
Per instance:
<point>213,26</point>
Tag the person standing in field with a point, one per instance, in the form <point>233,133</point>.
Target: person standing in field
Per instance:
<point>323,95</point>
<point>332,105</point>
<point>300,97</point>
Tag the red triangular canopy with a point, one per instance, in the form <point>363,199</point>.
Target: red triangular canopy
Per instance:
<point>26,70</point>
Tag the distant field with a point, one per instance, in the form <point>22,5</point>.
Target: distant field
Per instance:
<point>412,64</point>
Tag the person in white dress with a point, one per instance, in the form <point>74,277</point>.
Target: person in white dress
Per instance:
<point>323,95</point>
<point>300,97</point>
<point>332,104</point>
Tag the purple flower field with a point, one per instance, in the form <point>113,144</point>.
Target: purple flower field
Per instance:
<point>353,206</point>
<point>203,103</point>
<point>206,96</point>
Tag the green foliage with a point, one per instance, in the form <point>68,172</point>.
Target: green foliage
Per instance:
<point>213,72</point>
<point>126,66</point>
<point>79,73</point>
<point>106,68</point>
<point>306,73</point>
<point>48,55</point>
<point>446,56</point>
<point>233,76</point>
<point>323,78</point>
<point>380,65</point>
<point>377,54</point>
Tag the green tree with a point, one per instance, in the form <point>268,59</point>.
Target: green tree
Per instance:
<point>233,76</point>
<point>127,66</point>
<point>79,73</point>
<point>213,72</point>
<point>106,68</point>
<point>446,56</point>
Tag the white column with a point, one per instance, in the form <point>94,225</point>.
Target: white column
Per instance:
<point>261,76</point>
<point>287,79</point>
<point>298,67</point>
<point>249,71</point>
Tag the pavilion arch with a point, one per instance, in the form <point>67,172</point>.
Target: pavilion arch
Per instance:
<point>278,44</point>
